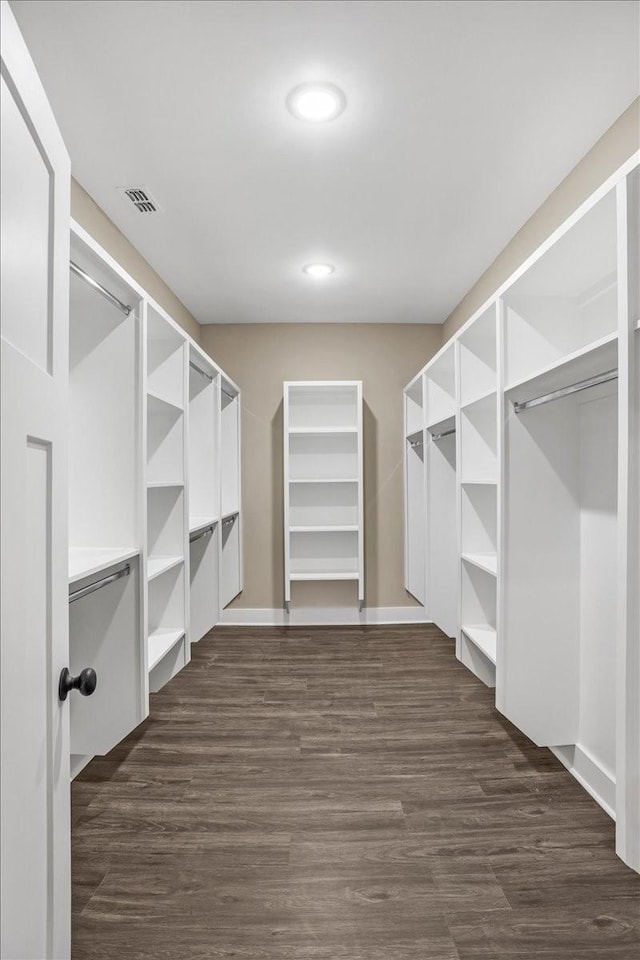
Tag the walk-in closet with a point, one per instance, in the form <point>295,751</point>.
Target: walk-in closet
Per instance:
<point>320,480</point>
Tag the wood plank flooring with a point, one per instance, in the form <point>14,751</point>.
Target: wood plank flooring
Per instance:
<point>340,794</point>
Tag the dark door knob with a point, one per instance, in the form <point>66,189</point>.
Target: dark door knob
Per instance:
<point>85,682</point>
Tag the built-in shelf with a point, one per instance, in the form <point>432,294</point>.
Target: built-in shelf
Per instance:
<point>322,575</point>
<point>596,357</point>
<point>159,565</point>
<point>160,643</point>
<point>232,513</point>
<point>85,561</point>
<point>159,405</point>
<point>201,523</point>
<point>159,484</point>
<point>479,483</point>
<point>484,561</point>
<point>346,528</point>
<point>442,424</point>
<point>483,637</point>
<point>311,431</point>
<point>482,396</point>
<point>326,480</point>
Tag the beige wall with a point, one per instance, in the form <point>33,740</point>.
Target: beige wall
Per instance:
<point>95,221</point>
<point>259,357</point>
<point>619,142</point>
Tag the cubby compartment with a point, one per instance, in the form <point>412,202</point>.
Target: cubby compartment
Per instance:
<point>415,507</point>
<point>323,504</point>
<point>323,556</point>
<point>442,545</point>
<point>165,529</point>
<point>478,611</point>
<point>566,302</point>
<point>478,525</point>
<point>560,572</point>
<point>230,449</point>
<point>167,624</point>
<point>323,406</point>
<point>440,379</point>
<point>165,443</point>
<point>105,633</point>
<point>479,357</point>
<point>203,446</point>
<point>326,456</point>
<point>230,560</point>
<point>478,440</point>
<point>204,548</point>
<point>104,416</point>
<point>165,360</point>
<point>414,406</point>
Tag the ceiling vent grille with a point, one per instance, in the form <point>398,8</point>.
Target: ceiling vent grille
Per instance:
<point>141,199</point>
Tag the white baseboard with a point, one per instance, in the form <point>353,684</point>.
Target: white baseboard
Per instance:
<point>590,774</point>
<point>321,616</point>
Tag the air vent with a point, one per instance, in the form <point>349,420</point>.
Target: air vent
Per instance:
<point>140,198</point>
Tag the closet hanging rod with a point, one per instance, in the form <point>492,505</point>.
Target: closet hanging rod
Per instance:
<point>113,300</point>
<point>445,433</point>
<point>99,584</point>
<point>566,391</point>
<point>416,443</point>
<point>201,533</point>
<point>203,373</point>
<point>229,520</point>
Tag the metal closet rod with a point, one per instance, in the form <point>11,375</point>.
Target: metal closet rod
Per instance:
<point>229,520</point>
<point>99,584</point>
<point>113,300</point>
<point>202,533</point>
<point>416,443</point>
<point>203,373</point>
<point>566,391</point>
<point>445,433</point>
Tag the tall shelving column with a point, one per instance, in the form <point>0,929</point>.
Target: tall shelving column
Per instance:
<point>323,497</point>
<point>166,508</point>
<point>478,496</point>
<point>415,489</point>
<point>230,492</point>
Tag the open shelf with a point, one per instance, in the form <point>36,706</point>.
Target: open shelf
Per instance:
<point>348,528</point>
<point>322,406</point>
<point>323,575</point>
<point>160,643</point>
<point>324,480</point>
<point>159,405</point>
<point>479,357</point>
<point>159,565</point>
<point>484,561</point>
<point>586,362</point>
<point>442,426</point>
<point>479,439</point>
<point>324,504</point>
<point>165,360</point>
<point>201,523</point>
<point>414,406</point>
<point>203,440</point>
<point>164,484</point>
<point>312,431</point>
<point>440,378</point>
<point>86,561</point>
<point>567,299</point>
<point>483,637</point>
<point>326,456</point>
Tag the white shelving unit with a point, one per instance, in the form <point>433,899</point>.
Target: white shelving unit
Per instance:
<point>323,511</point>
<point>230,492</point>
<point>533,561</point>
<point>105,615</point>
<point>167,352</point>
<point>204,492</point>
<point>415,490</point>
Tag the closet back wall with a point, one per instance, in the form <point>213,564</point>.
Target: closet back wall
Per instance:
<point>260,357</point>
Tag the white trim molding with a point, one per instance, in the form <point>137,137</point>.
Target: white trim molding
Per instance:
<point>321,616</point>
<point>590,773</point>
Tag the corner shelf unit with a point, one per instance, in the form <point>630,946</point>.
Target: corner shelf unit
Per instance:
<point>323,504</point>
<point>532,469</point>
<point>151,452</point>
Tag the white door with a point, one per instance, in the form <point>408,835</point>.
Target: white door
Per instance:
<point>34,810</point>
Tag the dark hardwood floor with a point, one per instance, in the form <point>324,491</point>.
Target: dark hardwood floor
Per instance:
<point>340,794</point>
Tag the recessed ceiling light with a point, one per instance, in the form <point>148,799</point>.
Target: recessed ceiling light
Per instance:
<point>318,270</point>
<point>316,102</point>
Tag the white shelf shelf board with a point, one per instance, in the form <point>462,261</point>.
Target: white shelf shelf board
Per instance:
<point>481,396</point>
<point>325,480</point>
<point>443,424</point>
<point>334,575</point>
<point>311,431</point>
<point>596,357</point>
<point>483,637</point>
<point>160,643</point>
<point>158,404</point>
<point>346,528</point>
<point>201,523</point>
<point>484,561</point>
<point>231,513</point>
<point>159,484</point>
<point>159,565</point>
<point>479,483</point>
<point>85,561</point>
